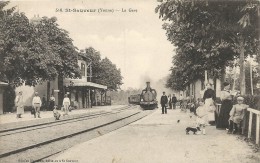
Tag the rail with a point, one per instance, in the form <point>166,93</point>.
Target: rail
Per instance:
<point>257,112</point>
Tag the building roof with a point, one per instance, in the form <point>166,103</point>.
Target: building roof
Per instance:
<point>78,83</point>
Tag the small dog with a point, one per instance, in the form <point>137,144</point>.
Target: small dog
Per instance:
<point>56,114</point>
<point>193,129</point>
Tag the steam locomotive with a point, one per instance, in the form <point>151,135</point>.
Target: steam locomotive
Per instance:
<point>147,99</point>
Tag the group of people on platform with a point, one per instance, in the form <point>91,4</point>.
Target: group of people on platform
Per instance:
<point>37,105</point>
<point>168,102</point>
<point>228,117</point>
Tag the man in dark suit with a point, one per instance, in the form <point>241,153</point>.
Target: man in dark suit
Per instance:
<point>174,101</point>
<point>164,101</point>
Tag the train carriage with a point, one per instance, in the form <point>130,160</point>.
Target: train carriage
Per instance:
<point>134,99</point>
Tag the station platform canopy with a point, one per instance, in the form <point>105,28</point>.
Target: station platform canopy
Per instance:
<point>78,83</point>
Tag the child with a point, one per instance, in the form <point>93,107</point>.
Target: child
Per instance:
<point>237,115</point>
<point>201,116</point>
<point>192,108</point>
<point>56,114</point>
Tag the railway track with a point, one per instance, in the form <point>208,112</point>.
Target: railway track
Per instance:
<point>43,137</point>
<point>9,131</point>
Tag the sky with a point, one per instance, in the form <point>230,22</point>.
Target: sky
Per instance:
<point>134,41</point>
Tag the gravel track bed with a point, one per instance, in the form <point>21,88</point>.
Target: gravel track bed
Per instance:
<point>55,123</point>
<point>30,138</point>
<point>35,122</point>
<point>45,152</point>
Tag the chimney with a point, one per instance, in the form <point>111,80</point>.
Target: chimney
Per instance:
<point>148,84</point>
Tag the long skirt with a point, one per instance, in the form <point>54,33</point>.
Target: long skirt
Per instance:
<point>51,107</point>
<point>209,104</point>
<point>20,109</point>
<point>222,121</point>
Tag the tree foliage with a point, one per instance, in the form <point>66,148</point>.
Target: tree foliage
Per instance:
<point>64,54</point>
<point>215,32</point>
<point>109,75</point>
<point>32,53</point>
<point>103,70</point>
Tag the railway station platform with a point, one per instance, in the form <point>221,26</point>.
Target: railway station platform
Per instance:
<point>159,138</point>
<point>11,117</point>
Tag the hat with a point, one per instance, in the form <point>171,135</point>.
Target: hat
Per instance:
<point>240,98</point>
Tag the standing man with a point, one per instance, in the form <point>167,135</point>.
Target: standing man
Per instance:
<point>19,104</point>
<point>164,101</point>
<point>36,103</point>
<point>174,101</point>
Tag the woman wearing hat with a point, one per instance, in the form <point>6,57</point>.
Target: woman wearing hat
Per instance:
<point>223,118</point>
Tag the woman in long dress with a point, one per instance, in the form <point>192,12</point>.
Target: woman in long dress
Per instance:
<point>66,104</point>
<point>226,107</point>
<point>209,98</point>
<point>19,105</point>
<point>52,102</point>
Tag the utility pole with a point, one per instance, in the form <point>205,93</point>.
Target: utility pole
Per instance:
<point>251,76</point>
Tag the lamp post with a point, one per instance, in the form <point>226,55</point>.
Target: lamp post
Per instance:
<point>90,76</point>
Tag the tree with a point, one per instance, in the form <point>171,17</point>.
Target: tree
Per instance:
<point>64,54</point>
<point>109,75</point>
<point>94,57</point>
<point>212,28</point>
<point>103,71</point>
<point>63,58</point>
<point>31,54</point>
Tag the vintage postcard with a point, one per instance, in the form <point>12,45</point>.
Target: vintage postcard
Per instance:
<point>129,81</point>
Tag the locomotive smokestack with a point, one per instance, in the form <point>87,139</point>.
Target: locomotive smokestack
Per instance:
<point>147,84</point>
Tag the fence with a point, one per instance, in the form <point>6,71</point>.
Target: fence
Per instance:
<point>251,126</point>
<point>257,133</point>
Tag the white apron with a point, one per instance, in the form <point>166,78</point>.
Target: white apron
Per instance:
<point>19,105</point>
<point>210,109</point>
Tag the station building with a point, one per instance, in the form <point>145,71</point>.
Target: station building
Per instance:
<point>2,86</point>
<point>82,92</point>
<point>196,88</point>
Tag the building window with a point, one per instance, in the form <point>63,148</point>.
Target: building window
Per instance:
<point>83,69</point>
